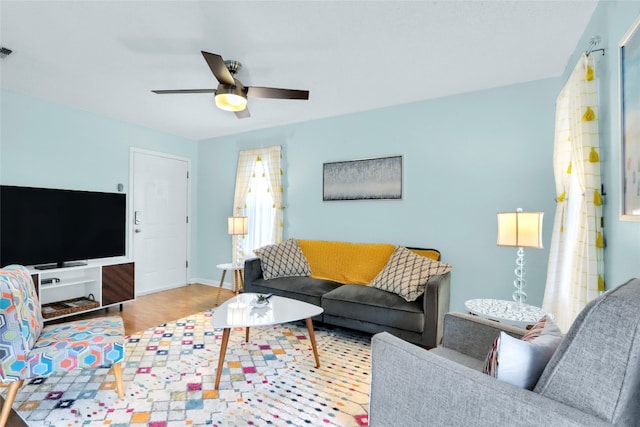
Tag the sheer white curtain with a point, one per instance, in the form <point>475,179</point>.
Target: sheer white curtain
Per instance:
<point>258,196</point>
<point>575,270</point>
<point>271,161</point>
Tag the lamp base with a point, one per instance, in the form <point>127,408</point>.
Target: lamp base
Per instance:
<point>519,295</point>
<point>239,258</point>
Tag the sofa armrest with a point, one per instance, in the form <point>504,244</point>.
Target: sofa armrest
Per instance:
<point>252,270</point>
<point>411,386</point>
<point>473,335</point>
<point>435,304</point>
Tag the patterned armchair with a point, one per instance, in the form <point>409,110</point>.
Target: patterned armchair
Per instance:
<point>28,349</point>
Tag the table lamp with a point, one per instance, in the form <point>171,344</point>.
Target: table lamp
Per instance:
<point>522,230</point>
<point>238,226</point>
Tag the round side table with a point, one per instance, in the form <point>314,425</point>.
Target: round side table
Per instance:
<point>510,312</point>
<point>238,279</point>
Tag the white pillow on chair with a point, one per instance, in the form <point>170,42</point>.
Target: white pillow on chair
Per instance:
<point>521,361</point>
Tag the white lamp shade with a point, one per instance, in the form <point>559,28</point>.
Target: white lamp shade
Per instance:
<point>238,225</point>
<point>520,229</point>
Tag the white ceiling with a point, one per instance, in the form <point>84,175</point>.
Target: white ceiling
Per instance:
<point>105,57</point>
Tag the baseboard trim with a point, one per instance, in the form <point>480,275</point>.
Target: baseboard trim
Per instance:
<point>214,283</point>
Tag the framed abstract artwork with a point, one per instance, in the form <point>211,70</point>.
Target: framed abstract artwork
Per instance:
<point>364,179</point>
<point>629,54</point>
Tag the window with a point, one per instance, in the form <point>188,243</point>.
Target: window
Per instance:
<point>260,209</point>
<point>258,196</point>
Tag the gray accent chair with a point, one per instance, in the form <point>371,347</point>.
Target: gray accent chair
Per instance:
<point>593,378</point>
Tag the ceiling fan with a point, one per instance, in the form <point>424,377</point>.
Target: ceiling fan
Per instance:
<point>231,94</point>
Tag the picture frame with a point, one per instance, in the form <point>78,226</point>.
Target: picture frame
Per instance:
<point>377,178</point>
<point>629,67</point>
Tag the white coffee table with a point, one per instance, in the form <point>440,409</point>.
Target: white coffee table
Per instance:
<point>240,312</point>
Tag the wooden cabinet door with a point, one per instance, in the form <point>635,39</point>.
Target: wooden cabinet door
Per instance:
<point>36,283</point>
<point>118,283</point>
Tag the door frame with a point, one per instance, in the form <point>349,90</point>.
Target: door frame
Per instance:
<point>131,195</point>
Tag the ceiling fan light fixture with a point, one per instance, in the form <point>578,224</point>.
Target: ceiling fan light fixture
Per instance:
<point>231,94</point>
<point>230,98</point>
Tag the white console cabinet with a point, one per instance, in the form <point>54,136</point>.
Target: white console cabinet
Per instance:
<point>72,290</point>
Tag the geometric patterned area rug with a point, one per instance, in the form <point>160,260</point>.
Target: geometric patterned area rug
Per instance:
<point>169,374</point>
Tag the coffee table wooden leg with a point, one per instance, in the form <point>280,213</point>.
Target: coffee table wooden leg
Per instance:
<point>223,351</point>
<point>312,337</point>
<point>246,338</point>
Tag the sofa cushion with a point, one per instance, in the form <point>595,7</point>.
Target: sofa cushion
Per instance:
<point>353,263</point>
<point>373,305</point>
<point>283,260</point>
<point>407,273</point>
<point>521,361</point>
<point>301,288</point>
<point>87,343</point>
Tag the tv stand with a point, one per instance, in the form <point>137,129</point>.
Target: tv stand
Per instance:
<point>83,287</point>
<point>60,265</point>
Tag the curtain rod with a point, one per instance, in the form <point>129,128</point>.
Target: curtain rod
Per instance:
<point>593,43</point>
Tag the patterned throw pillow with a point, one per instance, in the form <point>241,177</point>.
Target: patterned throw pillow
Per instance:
<point>282,260</point>
<point>521,361</point>
<point>407,273</point>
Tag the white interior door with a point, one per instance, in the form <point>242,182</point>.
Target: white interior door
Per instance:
<point>160,186</point>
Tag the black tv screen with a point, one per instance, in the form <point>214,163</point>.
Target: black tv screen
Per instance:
<point>44,225</point>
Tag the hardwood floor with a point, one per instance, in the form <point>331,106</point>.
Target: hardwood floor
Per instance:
<point>160,307</point>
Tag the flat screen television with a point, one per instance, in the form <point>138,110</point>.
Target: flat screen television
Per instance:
<point>51,228</point>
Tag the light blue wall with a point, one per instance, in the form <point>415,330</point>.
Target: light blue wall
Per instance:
<point>217,165</point>
<point>465,158</point>
<point>48,145</point>
<point>610,21</point>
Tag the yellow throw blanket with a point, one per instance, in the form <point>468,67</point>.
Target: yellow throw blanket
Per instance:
<point>356,263</point>
<point>429,253</point>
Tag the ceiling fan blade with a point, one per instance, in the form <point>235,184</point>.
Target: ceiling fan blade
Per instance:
<point>243,114</point>
<point>272,92</point>
<point>218,68</point>
<point>166,92</point>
